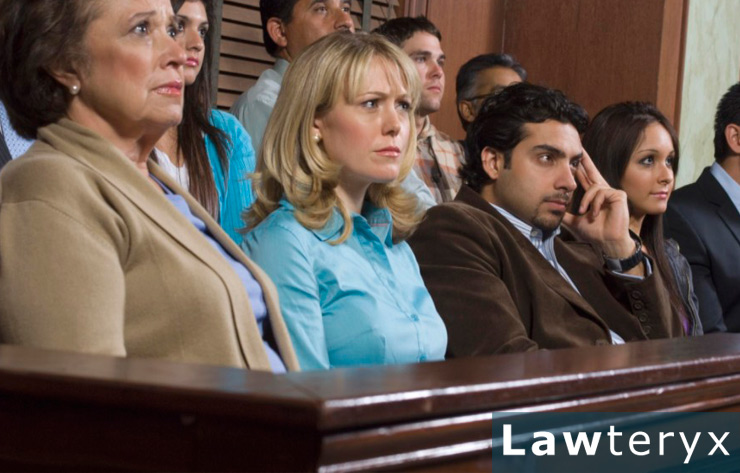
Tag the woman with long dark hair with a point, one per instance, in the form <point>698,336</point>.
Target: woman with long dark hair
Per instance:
<point>636,149</point>
<point>209,152</point>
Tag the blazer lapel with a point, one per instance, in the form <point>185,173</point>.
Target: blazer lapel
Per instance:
<point>280,330</point>
<point>242,312</point>
<point>726,208</point>
<point>550,276</point>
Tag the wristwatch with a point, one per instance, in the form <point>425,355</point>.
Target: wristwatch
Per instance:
<point>623,265</point>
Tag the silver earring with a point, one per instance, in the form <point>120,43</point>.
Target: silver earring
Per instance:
<point>74,90</point>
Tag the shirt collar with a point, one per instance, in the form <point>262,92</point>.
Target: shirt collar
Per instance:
<point>727,182</point>
<point>530,232</point>
<point>281,65</point>
<point>378,220</point>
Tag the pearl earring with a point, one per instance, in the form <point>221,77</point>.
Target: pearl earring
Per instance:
<point>74,90</point>
<point>317,138</point>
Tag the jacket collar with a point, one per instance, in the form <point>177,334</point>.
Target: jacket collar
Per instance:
<point>378,220</point>
<point>281,65</point>
<point>716,194</point>
<point>550,276</point>
<point>91,150</point>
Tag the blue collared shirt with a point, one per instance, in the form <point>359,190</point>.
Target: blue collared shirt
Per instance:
<point>16,143</point>
<point>546,247</point>
<point>233,184</point>
<point>357,303</point>
<point>728,184</point>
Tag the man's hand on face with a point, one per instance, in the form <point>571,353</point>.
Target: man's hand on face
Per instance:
<point>603,216</point>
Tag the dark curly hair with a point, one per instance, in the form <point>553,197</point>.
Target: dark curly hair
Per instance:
<point>728,113</point>
<point>500,124</point>
<point>399,30</point>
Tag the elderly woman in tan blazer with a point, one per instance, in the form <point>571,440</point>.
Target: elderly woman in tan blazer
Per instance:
<point>100,252</point>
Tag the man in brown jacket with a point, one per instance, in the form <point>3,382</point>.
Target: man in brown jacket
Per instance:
<point>503,273</point>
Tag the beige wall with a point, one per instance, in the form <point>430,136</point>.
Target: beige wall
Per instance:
<point>712,65</point>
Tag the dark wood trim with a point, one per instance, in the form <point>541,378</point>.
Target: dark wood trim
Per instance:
<point>672,46</point>
<point>681,65</point>
<point>65,411</point>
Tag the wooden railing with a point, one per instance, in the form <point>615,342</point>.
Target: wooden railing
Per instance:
<point>70,412</point>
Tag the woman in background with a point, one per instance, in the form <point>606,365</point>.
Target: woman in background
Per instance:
<point>209,152</point>
<point>636,149</point>
<point>330,218</point>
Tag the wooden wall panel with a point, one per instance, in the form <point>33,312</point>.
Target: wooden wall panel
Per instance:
<point>466,32</point>
<point>673,50</point>
<point>600,51</point>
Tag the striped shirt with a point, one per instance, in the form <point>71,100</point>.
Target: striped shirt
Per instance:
<point>546,247</point>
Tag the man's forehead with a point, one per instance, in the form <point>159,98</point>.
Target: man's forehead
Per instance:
<point>552,133</point>
<point>307,4</point>
<point>422,42</point>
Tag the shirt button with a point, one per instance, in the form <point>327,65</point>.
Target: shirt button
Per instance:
<point>642,318</point>
<point>636,294</point>
<point>423,358</point>
<point>647,329</point>
<point>638,305</point>
<point>415,318</point>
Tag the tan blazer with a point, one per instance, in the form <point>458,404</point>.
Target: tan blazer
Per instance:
<point>95,259</point>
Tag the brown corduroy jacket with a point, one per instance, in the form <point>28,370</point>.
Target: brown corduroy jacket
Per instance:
<point>498,294</point>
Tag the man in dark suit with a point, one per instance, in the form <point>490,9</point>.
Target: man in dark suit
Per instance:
<point>704,218</point>
<point>503,273</point>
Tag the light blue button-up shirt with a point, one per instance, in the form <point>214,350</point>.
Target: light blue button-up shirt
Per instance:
<point>357,303</point>
<point>233,185</point>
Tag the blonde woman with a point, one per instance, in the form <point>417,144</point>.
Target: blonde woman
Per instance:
<point>330,218</point>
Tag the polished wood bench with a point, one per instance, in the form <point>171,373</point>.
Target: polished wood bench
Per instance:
<point>64,411</point>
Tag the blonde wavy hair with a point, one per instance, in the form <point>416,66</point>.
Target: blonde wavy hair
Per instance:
<point>292,165</point>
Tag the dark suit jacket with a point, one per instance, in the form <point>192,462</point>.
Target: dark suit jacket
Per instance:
<point>497,293</point>
<point>705,223</point>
